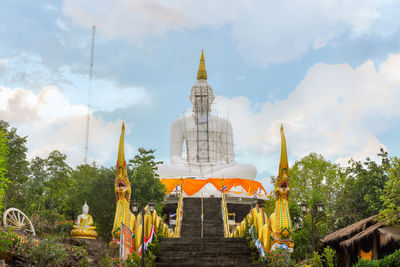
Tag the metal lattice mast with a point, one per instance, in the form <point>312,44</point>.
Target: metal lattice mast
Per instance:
<point>89,93</point>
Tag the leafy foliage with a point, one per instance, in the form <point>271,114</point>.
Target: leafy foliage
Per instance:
<point>316,260</point>
<point>313,180</point>
<point>330,256</point>
<point>3,167</point>
<point>391,195</point>
<point>146,187</point>
<point>348,194</point>
<point>278,257</point>
<point>361,190</point>
<point>392,260</point>
<point>17,165</point>
<point>96,187</point>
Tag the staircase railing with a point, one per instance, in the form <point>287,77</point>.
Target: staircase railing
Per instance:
<point>179,215</point>
<point>153,223</point>
<point>202,217</point>
<point>256,224</point>
<point>224,209</point>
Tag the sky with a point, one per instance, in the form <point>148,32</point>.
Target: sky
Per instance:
<point>328,70</point>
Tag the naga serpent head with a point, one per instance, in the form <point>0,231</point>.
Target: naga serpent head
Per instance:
<point>122,184</point>
<point>282,183</point>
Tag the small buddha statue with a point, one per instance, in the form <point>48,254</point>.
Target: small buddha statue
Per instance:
<point>84,226</point>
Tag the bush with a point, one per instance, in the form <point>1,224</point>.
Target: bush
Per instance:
<point>330,256</point>
<point>278,257</point>
<point>106,261</point>
<point>392,260</point>
<point>45,221</point>
<point>47,252</point>
<point>316,260</point>
<point>367,263</point>
<point>49,222</point>
<point>8,241</point>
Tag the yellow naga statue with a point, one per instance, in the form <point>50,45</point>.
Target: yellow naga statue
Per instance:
<point>275,231</point>
<point>280,225</point>
<point>123,212</point>
<point>122,187</point>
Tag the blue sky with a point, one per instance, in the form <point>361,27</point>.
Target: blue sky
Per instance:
<point>329,70</point>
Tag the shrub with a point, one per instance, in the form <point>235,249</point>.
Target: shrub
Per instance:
<point>45,221</point>
<point>106,261</point>
<point>392,260</point>
<point>278,257</point>
<point>316,260</point>
<point>329,255</point>
<point>8,241</point>
<point>367,263</point>
<point>46,253</point>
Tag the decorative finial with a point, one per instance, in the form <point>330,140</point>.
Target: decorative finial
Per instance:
<point>85,205</point>
<point>121,153</point>
<point>284,164</point>
<point>202,73</point>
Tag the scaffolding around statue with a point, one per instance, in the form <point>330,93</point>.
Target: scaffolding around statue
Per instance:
<point>201,143</point>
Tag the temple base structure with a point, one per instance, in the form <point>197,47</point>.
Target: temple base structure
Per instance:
<point>212,187</point>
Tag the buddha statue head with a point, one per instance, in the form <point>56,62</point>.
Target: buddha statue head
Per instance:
<point>201,94</point>
<point>85,209</point>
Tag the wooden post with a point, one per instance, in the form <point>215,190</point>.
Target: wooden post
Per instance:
<point>375,246</point>
<point>347,257</point>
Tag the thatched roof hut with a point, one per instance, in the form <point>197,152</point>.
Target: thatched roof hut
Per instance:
<point>365,235</point>
<point>389,235</point>
<point>349,231</point>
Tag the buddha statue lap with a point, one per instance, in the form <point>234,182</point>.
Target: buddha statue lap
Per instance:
<point>84,227</point>
<point>208,140</point>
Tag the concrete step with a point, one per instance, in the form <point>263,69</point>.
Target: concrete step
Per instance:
<point>211,250</point>
<point>200,265</point>
<point>206,260</point>
<point>203,246</point>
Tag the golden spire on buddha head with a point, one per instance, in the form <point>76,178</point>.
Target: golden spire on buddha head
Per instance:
<point>202,73</point>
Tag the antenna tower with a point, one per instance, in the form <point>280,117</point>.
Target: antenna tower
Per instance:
<point>89,93</point>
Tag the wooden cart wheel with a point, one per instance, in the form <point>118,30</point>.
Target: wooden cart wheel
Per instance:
<point>16,219</point>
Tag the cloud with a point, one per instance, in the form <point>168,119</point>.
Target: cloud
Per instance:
<point>336,111</point>
<point>51,122</point>
<point>265,32</point>
<point>28,71</point>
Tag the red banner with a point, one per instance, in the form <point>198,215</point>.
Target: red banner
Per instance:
<point>126,242</point>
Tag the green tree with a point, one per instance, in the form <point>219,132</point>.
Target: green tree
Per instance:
<point>145,184</point>
<point>3,167</point>
<point>96,187</point>
<point>58,180</point>
<point>102,201</point>
<point>17,165</point>
<point>360,190</point>
<point>390,212</point>
<point>83,176</point>
<point>313,180</point>
<point>35,190</point>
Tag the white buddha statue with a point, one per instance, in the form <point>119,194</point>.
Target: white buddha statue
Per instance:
<point>208,140</point>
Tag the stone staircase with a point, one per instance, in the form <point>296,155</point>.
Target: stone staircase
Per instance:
<point>210,250</point>
<point>213,224</point>
<point>191,222</point>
